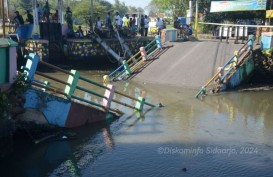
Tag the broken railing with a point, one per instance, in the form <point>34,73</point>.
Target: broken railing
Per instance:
<point>72,84</point>
<point>224,73</point>
<point>134,63</point>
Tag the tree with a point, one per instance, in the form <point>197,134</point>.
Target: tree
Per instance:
<point>82,11</point>
<point>152,9</point>
<point>177,7</point>
<point>120,7</point>
<point>132,9</point>
<point>140,10</point>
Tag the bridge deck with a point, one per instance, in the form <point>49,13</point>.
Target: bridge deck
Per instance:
<point>188,64</point>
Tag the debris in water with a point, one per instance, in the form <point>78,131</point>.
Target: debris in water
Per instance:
<point>160,105</point>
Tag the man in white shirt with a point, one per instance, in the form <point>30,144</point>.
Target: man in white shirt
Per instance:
<point>118,20</point>
<point>123,20</point>
<point>159,25</point>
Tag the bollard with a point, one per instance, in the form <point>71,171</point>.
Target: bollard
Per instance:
<point>140,104</point>
<point>106,79</point>
<point>72,83</point>
<point>126,67</point>
<point>143,53</point>
<point>109,93</point>
<point>158,41</point>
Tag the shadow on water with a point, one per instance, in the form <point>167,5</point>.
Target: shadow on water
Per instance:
<point>39,160</point>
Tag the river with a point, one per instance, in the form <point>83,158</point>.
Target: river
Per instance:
<point>230,134</point>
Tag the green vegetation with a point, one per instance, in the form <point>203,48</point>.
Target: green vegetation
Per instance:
<point>14,97</point>
<point>179,8</point>
<point>4,103</point>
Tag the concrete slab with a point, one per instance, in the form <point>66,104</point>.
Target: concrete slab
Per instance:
<point>188,64</point>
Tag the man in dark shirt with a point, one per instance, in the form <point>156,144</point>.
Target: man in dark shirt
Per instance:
<point>29,17</point>
<point>18,19</point>
<point>142,25</point>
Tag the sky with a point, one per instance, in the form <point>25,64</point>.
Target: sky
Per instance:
<point>136,3</point>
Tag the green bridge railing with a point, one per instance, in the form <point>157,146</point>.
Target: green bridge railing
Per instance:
<point>134,63</point>
<point>72,84</point>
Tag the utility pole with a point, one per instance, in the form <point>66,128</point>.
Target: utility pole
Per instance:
<point>92,15</point>
<point>190,12</point>
<point>196,18</point>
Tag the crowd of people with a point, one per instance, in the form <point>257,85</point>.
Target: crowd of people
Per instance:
<point>44,15</point>
<point>130,24</point>
<point>127,24</point>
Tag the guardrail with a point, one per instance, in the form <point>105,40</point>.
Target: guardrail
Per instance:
<point>136,61</point>
<point>229,68</point>
<point>72,85</point>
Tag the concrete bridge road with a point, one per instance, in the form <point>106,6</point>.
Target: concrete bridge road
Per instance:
<point>188,64</point>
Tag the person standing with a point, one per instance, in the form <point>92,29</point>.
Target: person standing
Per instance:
<point>118,20</point>
<point>39,12</point>
<point>126,22</point>
<point>146,25</point>
<point>68,19</point>
<point>80,32</point>
<point>98,26</point>
<point>159,25</point>
<point>46,12</point>
<point>142,25</point>
<point>123,20</point>
<point>108,20</point>
<point>29,17</point>
<point>18,19</point>
<point>55,16</point>
<point>177,23</point>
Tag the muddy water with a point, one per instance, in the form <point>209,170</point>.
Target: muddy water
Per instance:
<point>226,135</point>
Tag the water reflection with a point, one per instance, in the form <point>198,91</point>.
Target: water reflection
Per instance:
<point>59,156</point>
<point>129,146</point>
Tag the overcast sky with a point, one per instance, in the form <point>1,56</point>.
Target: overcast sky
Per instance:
<point>136,3</point>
